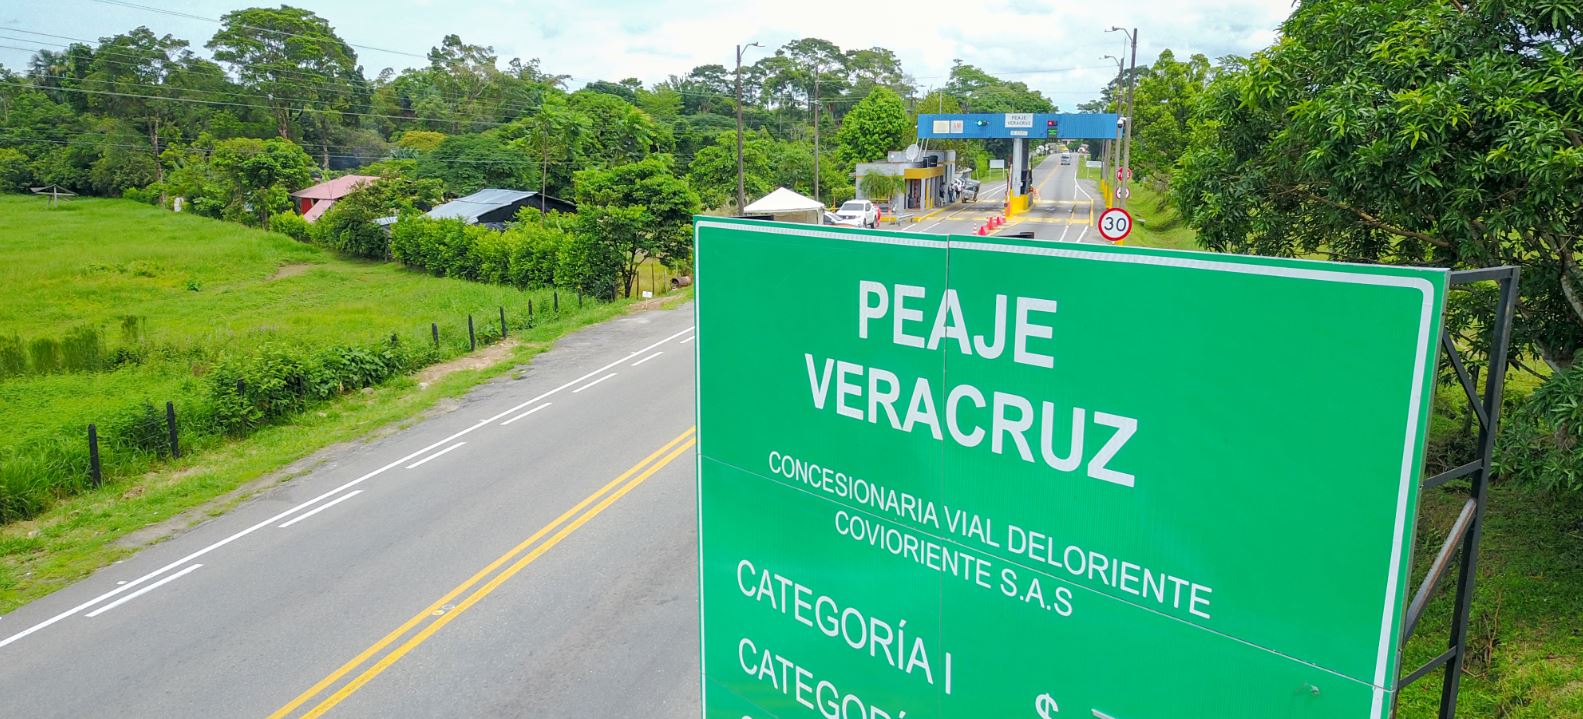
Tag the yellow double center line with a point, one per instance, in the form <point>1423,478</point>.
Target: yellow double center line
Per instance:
<point>435,612</point>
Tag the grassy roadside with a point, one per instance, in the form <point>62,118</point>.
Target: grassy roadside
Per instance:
<point>1156,223</point>
<point>83,533</point>
<point>1526,656</point>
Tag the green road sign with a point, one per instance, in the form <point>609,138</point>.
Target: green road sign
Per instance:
<point>979,477</point>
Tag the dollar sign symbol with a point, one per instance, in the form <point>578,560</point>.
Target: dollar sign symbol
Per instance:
<point>1045,705</point>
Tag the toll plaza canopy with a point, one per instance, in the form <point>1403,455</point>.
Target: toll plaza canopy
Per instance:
<point>985,126</point>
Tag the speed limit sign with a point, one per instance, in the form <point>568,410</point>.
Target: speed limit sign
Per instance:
<point>1114,224</point>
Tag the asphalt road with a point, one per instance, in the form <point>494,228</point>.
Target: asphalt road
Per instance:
<point>1065,210</point>
<point>530,553</point>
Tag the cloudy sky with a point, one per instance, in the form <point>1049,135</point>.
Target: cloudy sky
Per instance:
<point>1054,47</point>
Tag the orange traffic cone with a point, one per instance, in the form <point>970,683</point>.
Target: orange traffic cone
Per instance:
<point>981,231</point>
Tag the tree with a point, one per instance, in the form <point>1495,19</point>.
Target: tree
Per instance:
<point>1446,134</point>
<point>349,227</point>
<point>627,214</point>
<point>295,62</point>
<point>420,141</point>
<point>14,173</point>
<point>881,187</point>
<point>139,68</point>
<point>550,137</point>
<point>260,176</point>
<point>469,163</point>
<point>874,127</point>
<point>713,171</point>
<point>979,91</point>
<point>1165,97</point>
<point>616,133</point>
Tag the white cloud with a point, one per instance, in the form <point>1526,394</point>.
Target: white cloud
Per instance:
<point>1055,48</point>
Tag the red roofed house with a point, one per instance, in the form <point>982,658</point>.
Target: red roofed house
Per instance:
<point>313,202</point>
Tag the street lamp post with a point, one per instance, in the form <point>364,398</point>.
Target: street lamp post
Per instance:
<point>741,185</point>
<point>1113,147</point>
<point>1132,83</point>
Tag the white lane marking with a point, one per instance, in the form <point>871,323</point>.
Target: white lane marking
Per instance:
<point>524,414</point>
<point>645,359</point>
<point>627,358</point>
<point>282,515</point>
<point>1064,229</point>
<point>689,339</point>
<point>424,461</point>
<point>590,384</point>
<point>143,591</point>
<point>329,504</point>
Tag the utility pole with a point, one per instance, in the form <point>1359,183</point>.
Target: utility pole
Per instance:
<point>741,185</point>
<point>816,113</point>
<point>1126,141</point>
<point>1126,145</point>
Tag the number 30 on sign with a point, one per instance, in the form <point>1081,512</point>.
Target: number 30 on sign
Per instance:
<point>1114,224</point>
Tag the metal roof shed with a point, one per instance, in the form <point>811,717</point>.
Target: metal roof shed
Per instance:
<point>496,206</point>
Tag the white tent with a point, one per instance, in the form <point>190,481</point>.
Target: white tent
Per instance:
<point>787,206</point>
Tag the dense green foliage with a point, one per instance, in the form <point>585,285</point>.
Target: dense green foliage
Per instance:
<point>875,126</point>
<point>1443,133</point>
<point>627,214</point>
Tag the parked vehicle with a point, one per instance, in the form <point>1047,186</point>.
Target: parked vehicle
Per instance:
<point>858,213</point>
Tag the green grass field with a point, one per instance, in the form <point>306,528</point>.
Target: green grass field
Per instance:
<point>166,298</point>
<point>200,291</point>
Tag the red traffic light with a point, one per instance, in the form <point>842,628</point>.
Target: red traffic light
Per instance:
<point>1049,123</point>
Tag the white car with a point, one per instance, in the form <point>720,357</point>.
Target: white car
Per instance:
<point>858,213</point>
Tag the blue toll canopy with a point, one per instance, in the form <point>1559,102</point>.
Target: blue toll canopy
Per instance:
<point>1070,126</point>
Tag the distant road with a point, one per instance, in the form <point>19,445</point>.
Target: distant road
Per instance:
<point>1066,209</point>
<point>531,553</point>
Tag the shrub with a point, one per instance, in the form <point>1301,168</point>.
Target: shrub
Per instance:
<point>13,359</point>
<point>292,225</point>
<point>82,351</point>
<point>44,355</point>
<point>349,227</point>
<point>277,380</point>
<point>146,195</point>
<point>14,173</point>
<point>1542,441</point>
<point>140,428</point>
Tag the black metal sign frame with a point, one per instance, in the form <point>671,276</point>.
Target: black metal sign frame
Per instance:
<point>1469,525</point>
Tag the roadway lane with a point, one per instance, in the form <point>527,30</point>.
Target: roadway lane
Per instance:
<point>395,580</point>
<point>1065,210</point>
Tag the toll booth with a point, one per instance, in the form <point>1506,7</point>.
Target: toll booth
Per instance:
<point>1019,127</point>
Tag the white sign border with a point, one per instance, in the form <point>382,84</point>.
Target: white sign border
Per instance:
<point>1415,402</point>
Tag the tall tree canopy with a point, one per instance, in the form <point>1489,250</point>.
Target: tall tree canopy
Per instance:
<point>875,126</point>
<point>1446,133</point>
<point>296,63</point>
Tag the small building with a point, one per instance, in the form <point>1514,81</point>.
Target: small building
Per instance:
<point>787,206</point>
<point>494,207</point>
<point>927,179</point>
<point>313,202</point>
